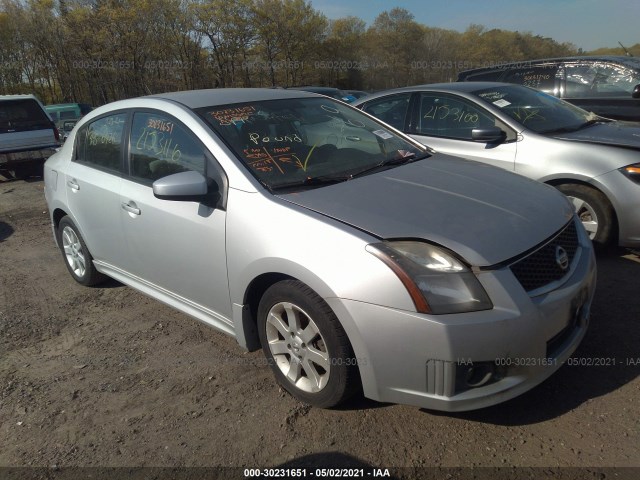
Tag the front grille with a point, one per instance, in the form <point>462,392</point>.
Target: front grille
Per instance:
<point>542,267</point>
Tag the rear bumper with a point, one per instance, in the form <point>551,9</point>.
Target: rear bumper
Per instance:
<point>26,156</point>
<point>424,360</point>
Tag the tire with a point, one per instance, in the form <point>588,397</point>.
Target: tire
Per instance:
<point>594,210</point>
<point>76,255</point>
<point>306,346</point>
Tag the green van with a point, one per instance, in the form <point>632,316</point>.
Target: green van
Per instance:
<point>65,115</point>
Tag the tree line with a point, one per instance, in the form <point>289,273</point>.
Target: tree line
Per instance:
<point>98,51</point>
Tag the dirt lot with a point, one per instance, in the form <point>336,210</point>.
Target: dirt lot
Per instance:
<point>106,377</point>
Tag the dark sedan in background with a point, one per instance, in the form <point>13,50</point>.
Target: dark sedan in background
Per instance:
<point>606,85</point>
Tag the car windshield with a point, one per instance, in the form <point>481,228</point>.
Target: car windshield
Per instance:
<point>536,110</point>
<point>306,142</point>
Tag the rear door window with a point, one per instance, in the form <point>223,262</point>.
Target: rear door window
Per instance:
<point>99,144</point>
<point>391,110</point>
<point>22,115</point>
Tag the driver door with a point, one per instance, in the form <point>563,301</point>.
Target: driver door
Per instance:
<point>445,122</point>
<point>176,248</point>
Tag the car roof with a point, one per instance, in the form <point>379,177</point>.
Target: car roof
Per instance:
<point>315,89</point>
<point>222,96</point>
<point>62,105</point>
<point>464,87</point>
<point>601,58</point>
<point>632,62</point>
<point>17,97</point>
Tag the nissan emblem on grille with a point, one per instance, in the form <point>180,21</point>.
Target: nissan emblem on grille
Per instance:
<point>562,259</point>
<point>550,262</point>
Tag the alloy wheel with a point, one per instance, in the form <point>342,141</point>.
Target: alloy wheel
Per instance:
<point>587,216</point>
<point>73,251</point>
<point>297,346</point>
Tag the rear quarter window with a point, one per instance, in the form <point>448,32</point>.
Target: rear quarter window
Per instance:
<point>541,78</point>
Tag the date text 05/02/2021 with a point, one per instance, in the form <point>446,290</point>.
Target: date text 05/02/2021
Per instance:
<point>317,472</point>
<point>571,361</point>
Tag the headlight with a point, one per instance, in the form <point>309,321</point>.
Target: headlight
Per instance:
<point>436,280</point>
<point>632,172</point>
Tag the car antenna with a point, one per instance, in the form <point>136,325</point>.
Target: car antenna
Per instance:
<point>627,52</point>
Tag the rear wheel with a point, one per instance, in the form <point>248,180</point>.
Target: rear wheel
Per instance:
<point>594,210</point>
<point>76,255</point>
<point>306,346</point>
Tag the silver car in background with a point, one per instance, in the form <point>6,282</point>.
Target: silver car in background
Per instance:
<point>354,256</point>
<point>593,160</point>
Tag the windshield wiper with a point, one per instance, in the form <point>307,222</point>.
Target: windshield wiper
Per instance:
<point>399,160</point>
<point>403,158</point>
<point>575,128</point>
<point>310,182</point>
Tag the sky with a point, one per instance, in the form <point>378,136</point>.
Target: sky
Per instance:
<point>588,24</point>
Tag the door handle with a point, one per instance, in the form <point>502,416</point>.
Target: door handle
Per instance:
<point>131,209</point>
<point>73,185</point>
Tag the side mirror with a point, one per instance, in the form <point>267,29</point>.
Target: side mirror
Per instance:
<point>636,92</point>
<point>185,186</point>
<point>488,135</point>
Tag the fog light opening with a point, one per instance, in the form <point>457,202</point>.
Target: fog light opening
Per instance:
<point>479,375</point>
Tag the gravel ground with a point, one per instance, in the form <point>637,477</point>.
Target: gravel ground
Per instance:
<point>106,377</point>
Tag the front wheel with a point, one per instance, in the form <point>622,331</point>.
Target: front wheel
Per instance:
<point>594,210</point>
<point>306,346</point>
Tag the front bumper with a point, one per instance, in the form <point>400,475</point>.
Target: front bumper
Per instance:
<point>424,360</point>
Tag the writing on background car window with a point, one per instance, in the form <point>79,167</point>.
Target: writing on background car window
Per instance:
<point>441,112</point>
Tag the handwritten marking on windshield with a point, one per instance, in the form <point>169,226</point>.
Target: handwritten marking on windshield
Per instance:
<point>524,115</point>
<point>257,138</point>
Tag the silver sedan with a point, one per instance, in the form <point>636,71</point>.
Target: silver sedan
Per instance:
<point>593,160</point>
<point>354,256</point>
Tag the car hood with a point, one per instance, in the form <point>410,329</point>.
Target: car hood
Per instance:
<point>483,213</point>
<point>619,134</point>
